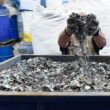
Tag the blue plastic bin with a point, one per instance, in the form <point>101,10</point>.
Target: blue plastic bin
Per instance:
<point>4,24</point>
<point>6,52</point>
<point>14,28</point>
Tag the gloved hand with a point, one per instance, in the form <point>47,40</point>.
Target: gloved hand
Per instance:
<point>82,26</point>
<point>76,25</point>
<point>73,24</point>
<point>92,23</point>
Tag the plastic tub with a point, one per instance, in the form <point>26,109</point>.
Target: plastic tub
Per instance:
<point>4,24</point>
<point>14,28</point>
<point>6,52</point>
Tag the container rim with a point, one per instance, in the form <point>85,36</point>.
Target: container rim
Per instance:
<point>51,94</point>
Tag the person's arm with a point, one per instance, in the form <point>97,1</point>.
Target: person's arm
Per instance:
<point>63,39</point>
<point>100,40</point>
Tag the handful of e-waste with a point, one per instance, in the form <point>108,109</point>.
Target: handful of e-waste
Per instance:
<point>82,25</point>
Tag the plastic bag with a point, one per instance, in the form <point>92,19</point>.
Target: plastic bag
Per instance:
<point>46,27</point>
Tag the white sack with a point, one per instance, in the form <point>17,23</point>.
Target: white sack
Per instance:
<point>46,27</point>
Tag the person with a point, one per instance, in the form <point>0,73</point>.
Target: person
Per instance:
<point>70,43</point>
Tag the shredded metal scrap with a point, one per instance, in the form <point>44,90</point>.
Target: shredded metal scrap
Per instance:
<point>41,74</point>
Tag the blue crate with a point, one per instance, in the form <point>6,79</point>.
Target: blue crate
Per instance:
<point>14,28</point>
<point>6,52</point>
<point>4,24</point>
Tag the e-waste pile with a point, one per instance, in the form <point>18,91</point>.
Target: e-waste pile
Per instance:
<point>45,75</point>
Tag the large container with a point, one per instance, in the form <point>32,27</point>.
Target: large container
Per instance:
<point>4,24</point>
<point>54,100</point>
<point>6,52</point>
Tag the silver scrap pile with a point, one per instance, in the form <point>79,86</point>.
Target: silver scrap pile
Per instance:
<point>45,75</point>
